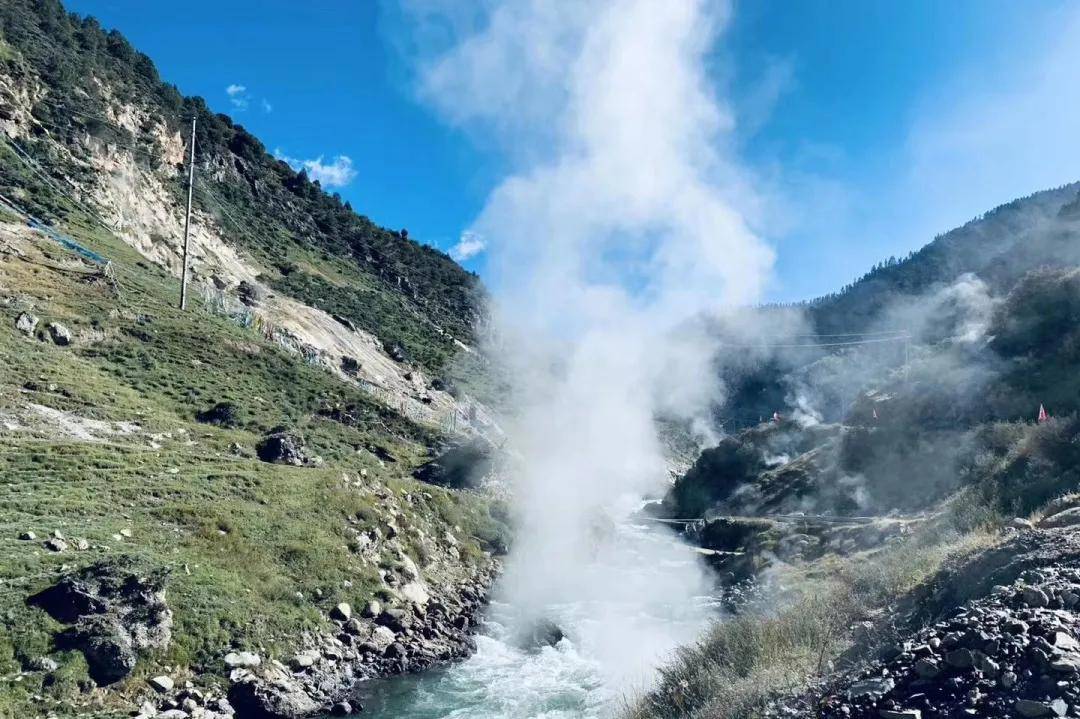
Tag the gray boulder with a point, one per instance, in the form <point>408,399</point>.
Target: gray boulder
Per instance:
<point>1067,518</point>
<point>283,700</point>
<point>250,294</point>
<point>43,664</point>
<point>26,323</point>
<point>873,688</point>
<point>1030,708</point>
<point>282,447</point>
<point>114,612</point>
<point>59,333</point>
<point>161,684</point>
<point>242,659</point>
<point>462,465</point>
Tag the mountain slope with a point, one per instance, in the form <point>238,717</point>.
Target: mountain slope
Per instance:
<point>861,552</point>
<point>1000,247</point>
<point>93,111</point>
<point>183,491</point>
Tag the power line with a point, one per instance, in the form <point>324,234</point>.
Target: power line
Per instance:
<point>816,345</point>
<point>36,168</point>
<point>103,120</point>
<point>219,204</point>
<point>853,334</point>
<point>66,108</point>
<point>187,220</point>
<point>114,143</point>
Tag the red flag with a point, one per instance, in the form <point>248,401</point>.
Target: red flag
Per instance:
<point>1043,414</point>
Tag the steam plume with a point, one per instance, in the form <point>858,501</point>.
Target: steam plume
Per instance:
<point>615,228</point>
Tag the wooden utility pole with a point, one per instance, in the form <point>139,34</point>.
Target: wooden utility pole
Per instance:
<point>187,219</point>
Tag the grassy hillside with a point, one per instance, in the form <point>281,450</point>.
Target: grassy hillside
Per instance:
<point>308,243</point>
<point>102,438</point>
<point>257,552</point>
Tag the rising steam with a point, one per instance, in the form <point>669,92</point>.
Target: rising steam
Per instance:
<point>615,227</point>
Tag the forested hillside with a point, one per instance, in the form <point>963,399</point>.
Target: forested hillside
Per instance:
<point>1000,247</point>
<point>958,284</point>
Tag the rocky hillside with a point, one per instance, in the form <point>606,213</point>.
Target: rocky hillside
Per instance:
<point>901,540</point>
<point>213,510</point>
<point>84,109</point>
<point>944,291</point>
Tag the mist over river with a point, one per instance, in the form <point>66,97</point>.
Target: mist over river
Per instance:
<point>614,640</point>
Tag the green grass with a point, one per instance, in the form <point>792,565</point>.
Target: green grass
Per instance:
<point>258,553</point>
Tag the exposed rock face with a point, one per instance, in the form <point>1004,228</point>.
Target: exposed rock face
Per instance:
<point>282,447</point>
<point>115,614</point>
<point>739,548</point>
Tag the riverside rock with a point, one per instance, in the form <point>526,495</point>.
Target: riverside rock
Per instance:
<point>341,709</point>
<point>1003,653</point>
<point>1030,708</point>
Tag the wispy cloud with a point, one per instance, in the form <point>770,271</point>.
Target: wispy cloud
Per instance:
<point>988,137</point>
<point>241,98</point>
<point>998,127</point>
<point>336,173</point>
<point>469,245</point>
<point>238,96</point>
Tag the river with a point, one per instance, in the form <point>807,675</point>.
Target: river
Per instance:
<point>645,594</point>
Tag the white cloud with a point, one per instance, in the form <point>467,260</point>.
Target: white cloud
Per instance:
<point>238,97</point>
<point>337,173</point>
<point>241,99</point>
<point>469,245</point>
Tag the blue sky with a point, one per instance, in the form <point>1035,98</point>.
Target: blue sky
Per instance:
<point>861,123</point>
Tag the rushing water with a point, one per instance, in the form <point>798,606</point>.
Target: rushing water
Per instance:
<point>614,642</point>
